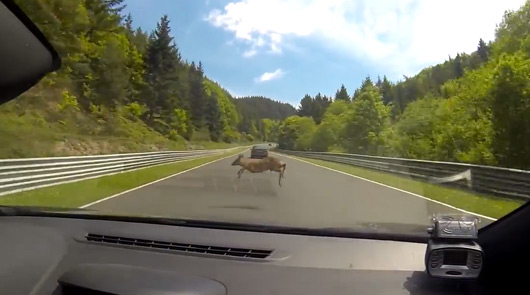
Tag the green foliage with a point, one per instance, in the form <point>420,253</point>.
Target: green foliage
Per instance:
<point>180,122</point>
<point>314,107</point>
<point>296,132</point>
<point>364,123</point>
<point>213,117</point>
<point>511,110</point>
<point>69,102</point>
<point>513,33</point>
<point>342,94</point>
<point>197,95</point>
<point>253,108</point>
<point>328,133</point>
<point>270,130</point>
<point>224,121</point>
<point>473,108</point>
<point>134,110</point>
<point>118,81</point>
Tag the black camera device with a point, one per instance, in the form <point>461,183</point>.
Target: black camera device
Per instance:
<point>452,251</point>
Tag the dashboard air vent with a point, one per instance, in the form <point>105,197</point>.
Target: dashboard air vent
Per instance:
<point>182,247</point>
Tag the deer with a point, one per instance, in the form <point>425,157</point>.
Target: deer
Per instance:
<point>260,165</point>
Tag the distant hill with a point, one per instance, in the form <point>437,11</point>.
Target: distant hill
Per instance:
<point>259,107</point>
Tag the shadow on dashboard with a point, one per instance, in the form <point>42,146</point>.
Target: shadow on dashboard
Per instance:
<point>419,283</point>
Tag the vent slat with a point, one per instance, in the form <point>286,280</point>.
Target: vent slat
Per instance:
<point>193,248</point>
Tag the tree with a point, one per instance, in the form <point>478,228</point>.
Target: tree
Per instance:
<point>296,132</point>
<point>140,40</point>
<point>483,50</point>
<point>197,95</point>
<point>367,83</point>
<point>313,107</point>
<point>213,117</point>
<point>327,133</point>
<point>306,106</point>
<point>270,130</point>
<point>161,71</point>
<point>458,67</point>
<point>320,104</point>
<point>342,94</point>
<point>127,23</point>
<point>385,88</point>
<point>181,123</point>
<point>511,111</point>
<point>367,119</point>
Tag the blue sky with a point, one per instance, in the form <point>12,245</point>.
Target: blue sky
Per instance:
<point>284,49</point>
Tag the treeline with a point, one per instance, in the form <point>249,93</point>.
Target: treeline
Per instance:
<point>473,108</point>
<point>262,116</point>
<point>114,73</point>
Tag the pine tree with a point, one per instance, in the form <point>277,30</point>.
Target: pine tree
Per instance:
<point>367,83</point>
<point>161,71</point>
<point>483,50</point>
<point>213,117</point>
<point>140,40</point>
<point>342,94</point>
<point>306,106</point>
<point>385,88</point>
<point>379,82</point>
<point>197,95</point>
<point>128,24</point>
<point>458,67</point>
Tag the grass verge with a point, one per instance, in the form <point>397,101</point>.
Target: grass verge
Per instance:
<point>79,193</point>
<point>481,204</point>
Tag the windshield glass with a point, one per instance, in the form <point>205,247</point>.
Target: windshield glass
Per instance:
<point>362,114</point>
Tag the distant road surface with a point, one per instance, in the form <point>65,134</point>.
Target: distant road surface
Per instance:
<point>310,196</point>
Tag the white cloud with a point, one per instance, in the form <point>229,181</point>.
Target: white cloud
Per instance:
<point>250,53</point>
<point>267,76</point>
<point>397,36</point>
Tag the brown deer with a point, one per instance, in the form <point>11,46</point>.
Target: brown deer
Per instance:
<point>260,165</point>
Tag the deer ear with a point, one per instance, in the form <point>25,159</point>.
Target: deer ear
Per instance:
<point>240,156</point>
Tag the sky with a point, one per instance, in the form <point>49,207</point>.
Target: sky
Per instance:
<point>283,49</point>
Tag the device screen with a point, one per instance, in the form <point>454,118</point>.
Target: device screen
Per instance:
<point>455,257</point>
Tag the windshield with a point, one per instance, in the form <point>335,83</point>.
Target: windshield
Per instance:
<point>317,114</point>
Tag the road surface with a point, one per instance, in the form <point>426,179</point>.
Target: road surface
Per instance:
<point>310,196</point>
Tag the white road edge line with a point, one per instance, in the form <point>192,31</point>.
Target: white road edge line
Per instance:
<point>395,188</point>
<point>153,182</point>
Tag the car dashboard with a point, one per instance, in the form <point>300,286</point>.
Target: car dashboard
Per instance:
<point>53,255</point>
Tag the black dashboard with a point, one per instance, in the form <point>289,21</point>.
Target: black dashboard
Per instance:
<point>51,255</point>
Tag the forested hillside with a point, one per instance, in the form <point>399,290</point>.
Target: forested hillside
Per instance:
<point>119,89</point>
<point>472,108</point>
<point>262,116</point>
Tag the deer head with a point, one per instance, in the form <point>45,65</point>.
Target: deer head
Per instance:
<point>238,160</point>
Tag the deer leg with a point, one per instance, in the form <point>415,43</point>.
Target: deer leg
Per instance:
<point>240,172</point>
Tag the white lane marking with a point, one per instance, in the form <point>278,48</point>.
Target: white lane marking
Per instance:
<point>403,191</point>
<point>152,182</point>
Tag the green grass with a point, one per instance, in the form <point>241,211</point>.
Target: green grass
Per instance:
<point>79,193</point>
<point>481,204</point>
<point>49,133</point>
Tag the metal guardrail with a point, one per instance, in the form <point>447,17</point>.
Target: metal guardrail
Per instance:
<point>18,175</point>
<point>496,181</point>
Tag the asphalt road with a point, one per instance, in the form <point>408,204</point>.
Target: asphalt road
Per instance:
<point>310,196</point>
